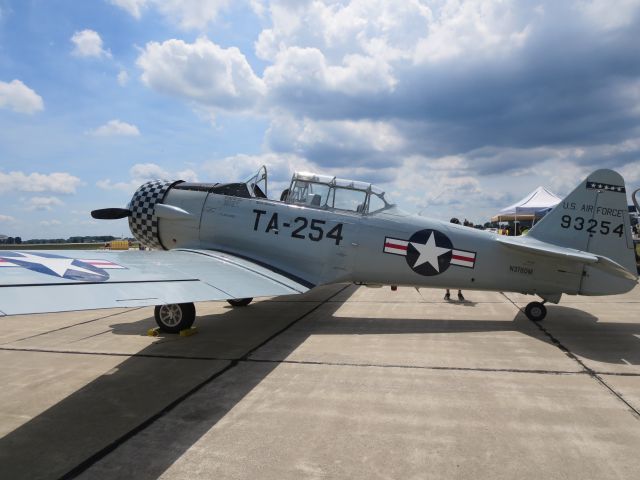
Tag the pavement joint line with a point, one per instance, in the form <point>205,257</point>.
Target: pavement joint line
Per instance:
<point>311,362</point>
<point>71,326</point>
<point>434,302</point>
<point>100,454</point>
<point>598,303</point>
<point>111,354</point>
<point>592,373</point>
<point>92,336</point>
<point>420,295</point>
<point>420,367</point>
<point>444,368</point>
<point>271,300</point>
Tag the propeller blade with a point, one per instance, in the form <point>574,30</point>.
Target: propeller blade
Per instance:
<point>111,213</point>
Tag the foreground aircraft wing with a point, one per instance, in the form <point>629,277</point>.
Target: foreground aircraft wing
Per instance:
<point>56,281</point>
<point>537,247</point>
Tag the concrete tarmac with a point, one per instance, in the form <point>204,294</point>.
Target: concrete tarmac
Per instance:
<point>343,382</point>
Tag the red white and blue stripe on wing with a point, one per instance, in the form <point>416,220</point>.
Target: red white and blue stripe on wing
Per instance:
<point>429,252</point>
<point>106,264</point>
<point>89,270</point>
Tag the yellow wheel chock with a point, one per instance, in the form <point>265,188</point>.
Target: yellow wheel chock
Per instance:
<point>187,332</point>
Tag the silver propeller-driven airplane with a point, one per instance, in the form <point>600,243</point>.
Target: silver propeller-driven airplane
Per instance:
<point>230,242</point>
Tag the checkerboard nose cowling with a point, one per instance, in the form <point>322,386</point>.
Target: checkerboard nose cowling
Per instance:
<point>143,221</point>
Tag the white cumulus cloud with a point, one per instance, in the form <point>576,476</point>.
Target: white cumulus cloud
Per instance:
<point>306,69</point>
<point>337,142</point>
<point>43,203</point>
<point>87,43</point>
<point>484,28</point>
<point>381,28</point>
<point>143,172</point>
<point>19,98</point>
<point>133,7</point>
<point>59,182</point>
<point>187,14</point>
<point>116,128</point>
<point>6,218</point>
<point>202,72</point>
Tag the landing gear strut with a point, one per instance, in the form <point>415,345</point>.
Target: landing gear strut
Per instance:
<point>175,317</point>
<point>535,311</point>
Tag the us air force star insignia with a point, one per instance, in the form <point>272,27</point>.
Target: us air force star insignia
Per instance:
<point>56,265</point>
<point>429,252</point>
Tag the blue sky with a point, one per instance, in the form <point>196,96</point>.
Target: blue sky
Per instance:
<point>456,108</point>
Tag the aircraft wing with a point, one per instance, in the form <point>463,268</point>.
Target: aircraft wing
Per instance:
<point>54,281</point>
<point>537,247</point>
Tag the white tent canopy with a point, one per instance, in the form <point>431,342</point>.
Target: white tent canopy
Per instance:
<point>537,201</point>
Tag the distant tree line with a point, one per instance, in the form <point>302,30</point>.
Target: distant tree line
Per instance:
<point>10,240</point>
<point>79,239</point>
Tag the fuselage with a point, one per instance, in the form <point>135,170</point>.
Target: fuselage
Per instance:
<point>389,247</point>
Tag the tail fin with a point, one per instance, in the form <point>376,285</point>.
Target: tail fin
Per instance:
<point>593,218</point>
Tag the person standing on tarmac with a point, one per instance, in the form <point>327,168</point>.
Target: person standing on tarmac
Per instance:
<point>447,296</point>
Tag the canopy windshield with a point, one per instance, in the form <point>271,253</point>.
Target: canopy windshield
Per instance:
<point>323,191</point>
<point>257,183</point>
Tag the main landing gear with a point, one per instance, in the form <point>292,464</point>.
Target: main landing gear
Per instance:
<point>175,317</point>
<point>535,311</point>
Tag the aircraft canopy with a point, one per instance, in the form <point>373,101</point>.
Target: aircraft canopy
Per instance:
<point>327,192</point>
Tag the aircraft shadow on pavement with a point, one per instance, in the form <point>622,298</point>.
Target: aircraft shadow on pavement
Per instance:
<point>70,432</point>
<point>466,303</point>
<point>54,443</point>
<point>584,335</point>
<point>579,331</point>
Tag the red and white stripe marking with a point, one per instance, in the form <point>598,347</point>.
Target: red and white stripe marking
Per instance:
<point>462,258</point>
<point>395,246</point>
<point>106,264</point>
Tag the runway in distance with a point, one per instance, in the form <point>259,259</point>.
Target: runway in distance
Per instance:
<point>230,242</point>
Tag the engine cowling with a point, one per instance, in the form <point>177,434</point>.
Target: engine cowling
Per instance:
<point>143,220</point>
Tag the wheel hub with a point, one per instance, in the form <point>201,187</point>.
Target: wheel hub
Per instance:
<point>170,315</point>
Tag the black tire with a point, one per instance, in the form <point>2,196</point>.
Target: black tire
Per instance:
<point>535,311</point>
<point>174,317</point>
<point>240,302</point>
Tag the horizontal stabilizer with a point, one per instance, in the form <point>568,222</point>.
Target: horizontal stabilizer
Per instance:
<point>531,245</point>
<point>615,268</point>
<point>536,247</point>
